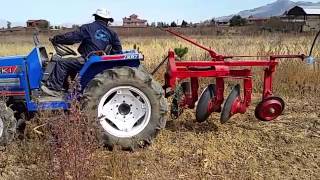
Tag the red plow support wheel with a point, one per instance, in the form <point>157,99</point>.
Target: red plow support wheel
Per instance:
<point>269,109</point>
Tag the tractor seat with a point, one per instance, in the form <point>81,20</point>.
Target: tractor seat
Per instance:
<point>106,52</point>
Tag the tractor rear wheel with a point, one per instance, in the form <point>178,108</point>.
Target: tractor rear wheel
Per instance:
<point>130,107</point>
<point>8,124</point>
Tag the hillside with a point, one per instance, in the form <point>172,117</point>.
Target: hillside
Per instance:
<point>3,23</point>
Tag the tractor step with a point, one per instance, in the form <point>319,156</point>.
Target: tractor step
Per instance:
<point>48,103</point>
<point>40,97</point>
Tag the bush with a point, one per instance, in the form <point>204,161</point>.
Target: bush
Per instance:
<point>72,142</point>
<point>237,21</point>
<point>173,24</point>
<point>181,52</point>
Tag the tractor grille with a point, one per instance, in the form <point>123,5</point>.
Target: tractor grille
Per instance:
<point>9,82</point>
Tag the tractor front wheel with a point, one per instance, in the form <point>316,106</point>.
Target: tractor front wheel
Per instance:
<point>8,124</point>
<point>130,107</point>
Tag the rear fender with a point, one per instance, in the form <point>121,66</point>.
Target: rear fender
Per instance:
<point>97,64</point>
<point>34,63</point>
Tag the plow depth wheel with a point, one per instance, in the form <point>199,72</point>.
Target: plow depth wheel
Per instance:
<point>269,109</point>
<point>231,105</point>
<point>203,109</point>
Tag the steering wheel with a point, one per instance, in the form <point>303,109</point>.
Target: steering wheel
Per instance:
<point>62,50</point>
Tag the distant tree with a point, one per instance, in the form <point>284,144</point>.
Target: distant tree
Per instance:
<point>159,24</point>
<point>162,24</point>
<point>8,25</point>
<point>184,23</point>
<point>173,24</point>
<point>75,26</point>
<point>46,25</point>
<point>237,20</point>
<point>212,21</point>
<point>153,24</point>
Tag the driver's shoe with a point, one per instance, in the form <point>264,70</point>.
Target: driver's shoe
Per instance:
<point>50,92</point>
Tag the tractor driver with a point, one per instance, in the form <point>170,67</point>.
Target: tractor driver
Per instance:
<point>95,36</point>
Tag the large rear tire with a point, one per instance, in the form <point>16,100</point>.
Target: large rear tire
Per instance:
<point>8,124</point>
<point>130,105</point>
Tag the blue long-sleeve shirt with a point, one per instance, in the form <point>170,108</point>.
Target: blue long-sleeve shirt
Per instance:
<point>95,36</point>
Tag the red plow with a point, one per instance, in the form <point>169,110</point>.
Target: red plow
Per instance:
<point>186,74</point>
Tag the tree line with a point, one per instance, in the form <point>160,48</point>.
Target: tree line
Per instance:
<point>236,20</point>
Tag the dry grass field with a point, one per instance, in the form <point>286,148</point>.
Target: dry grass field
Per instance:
<point>244,148</point>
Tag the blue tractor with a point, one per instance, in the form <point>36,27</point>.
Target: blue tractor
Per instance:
<point>128,104</point>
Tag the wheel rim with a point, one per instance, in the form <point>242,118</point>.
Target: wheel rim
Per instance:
<point>1,127</point>
<point>124,111</point>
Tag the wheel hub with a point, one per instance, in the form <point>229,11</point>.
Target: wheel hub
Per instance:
<point>270,109</point>
<point>124,109</point>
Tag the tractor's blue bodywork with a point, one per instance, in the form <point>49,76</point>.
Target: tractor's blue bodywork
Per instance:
<point>21,76</point>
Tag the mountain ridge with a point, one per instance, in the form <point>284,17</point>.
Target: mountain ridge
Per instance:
<point>276,8</point>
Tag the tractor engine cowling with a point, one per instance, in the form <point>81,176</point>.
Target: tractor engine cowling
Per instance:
<point>10,81</point>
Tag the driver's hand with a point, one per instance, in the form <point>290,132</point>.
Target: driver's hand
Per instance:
<point>51,39</point>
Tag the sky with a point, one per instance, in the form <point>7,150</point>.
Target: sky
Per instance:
<point>80,11</point>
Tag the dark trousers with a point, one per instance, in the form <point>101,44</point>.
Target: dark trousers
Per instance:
<point>63,69</point>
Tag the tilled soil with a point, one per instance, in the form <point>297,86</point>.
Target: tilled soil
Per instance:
<point>244,148</point>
